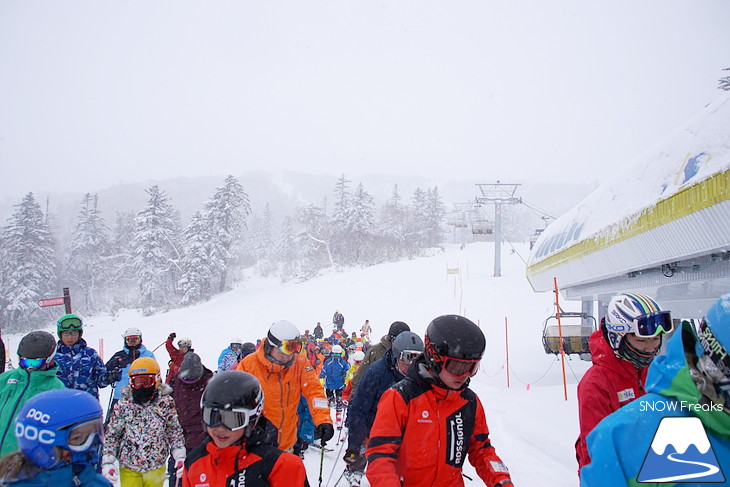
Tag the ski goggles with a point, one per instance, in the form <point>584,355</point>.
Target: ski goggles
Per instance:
<point>290,346</point>
<point>133,339</point>
<point>143,381</point>
<point>34,363</point>
<point>407,356</point>
<point>652,324</point>
<point>235,346</point>
<point>70,324</point>
<point>461,368</point>
<point>184,343</point>
<point>81,436</point>
<point>233,419</point>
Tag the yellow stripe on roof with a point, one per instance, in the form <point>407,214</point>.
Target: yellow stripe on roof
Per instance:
<point>707,193</point>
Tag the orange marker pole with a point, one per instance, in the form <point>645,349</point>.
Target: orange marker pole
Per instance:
<point>560,334</point>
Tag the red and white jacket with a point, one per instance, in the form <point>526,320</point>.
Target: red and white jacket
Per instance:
<point>609,384</point>
<point>423,433</point>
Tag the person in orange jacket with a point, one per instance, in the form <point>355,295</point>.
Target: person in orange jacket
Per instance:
<point>428,423</point>
<point>241,448</point>
<point>285,374</point>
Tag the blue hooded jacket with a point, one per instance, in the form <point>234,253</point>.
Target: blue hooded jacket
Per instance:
<point>620,443</point>
<point>334,371</point>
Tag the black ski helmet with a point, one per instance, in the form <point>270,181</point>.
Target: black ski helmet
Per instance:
<point>235,390</point>
<point>453,336</point>
<point>396,328</point>
<point>37,344</point>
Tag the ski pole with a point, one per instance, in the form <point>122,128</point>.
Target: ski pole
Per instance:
<point>340,478</point>
<point>321,463</point>
<point>158,346</point>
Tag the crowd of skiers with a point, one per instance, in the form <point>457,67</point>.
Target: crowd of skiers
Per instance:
<point>249,422</point>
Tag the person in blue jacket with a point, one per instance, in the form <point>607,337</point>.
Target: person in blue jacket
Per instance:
<point>79,366</point>
<point>379,377</point>
<point>120,361</point>
<point>691,381</point>
<point>333,371</point>
<point>59,433</point>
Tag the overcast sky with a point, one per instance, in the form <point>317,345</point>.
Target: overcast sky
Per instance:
<point>93,93</point>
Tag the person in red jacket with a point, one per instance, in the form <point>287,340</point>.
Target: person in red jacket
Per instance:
<point>176,355</point>
<point>242,448</point>
<point>621,351</point>
<point>428,423</point>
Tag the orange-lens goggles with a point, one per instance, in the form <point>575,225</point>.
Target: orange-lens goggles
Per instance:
<point>461,368</point>
<point>290,346</point>
<point>143,381</point>
<point>133,338</point>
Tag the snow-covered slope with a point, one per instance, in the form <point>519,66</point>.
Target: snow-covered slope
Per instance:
<point>532,428</point>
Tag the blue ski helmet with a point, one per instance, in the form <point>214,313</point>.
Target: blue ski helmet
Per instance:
<point>66,418</point>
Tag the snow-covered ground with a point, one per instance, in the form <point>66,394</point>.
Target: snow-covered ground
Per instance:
<point>532,426</point>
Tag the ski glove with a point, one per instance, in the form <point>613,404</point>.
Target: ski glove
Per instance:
<point>109,468</point>
<point>178,454</point>
<point>325,432</point>
<point>354,460</point>
<point>113,375</point>
<point>172,336</point>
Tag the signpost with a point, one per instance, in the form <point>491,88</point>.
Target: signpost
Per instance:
<point>65,300</point>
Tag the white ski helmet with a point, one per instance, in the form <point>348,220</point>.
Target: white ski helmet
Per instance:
<point>237,340</point>
<point>132,331</point>
<point>358,356</point>
<point>337,350</point>
<point>281,331</point>
<point>639,314</point>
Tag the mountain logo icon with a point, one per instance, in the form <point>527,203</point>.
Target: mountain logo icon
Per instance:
<point>680,452</point>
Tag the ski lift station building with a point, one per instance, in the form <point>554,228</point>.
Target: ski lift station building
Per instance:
<point>662,227</point>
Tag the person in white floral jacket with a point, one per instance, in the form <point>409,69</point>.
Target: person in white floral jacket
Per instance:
<point>143,430</point>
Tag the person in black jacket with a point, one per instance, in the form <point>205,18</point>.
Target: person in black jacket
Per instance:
<point>380,376</point>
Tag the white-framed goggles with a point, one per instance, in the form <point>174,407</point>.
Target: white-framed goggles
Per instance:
<point>81,436</point>
<point>233,419</point>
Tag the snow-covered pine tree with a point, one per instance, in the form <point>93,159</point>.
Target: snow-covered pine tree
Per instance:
<point>195,284</point>
<point>417,220</point>
<point>393,227</point>
<point>360,227</point>
<point>88,266</point>
<point>434,217</point>
<point>313,241</point>
<point>227,211</point>
<point>122,286</point>
<point>28,267</point>
<point>156,256</point>
<point>724,82</point>
<point>286,250</point>
<point>341,238</point>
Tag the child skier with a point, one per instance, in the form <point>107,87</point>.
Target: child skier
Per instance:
<point>143,430</point>
<point>242,449</point>
<point>434,407</point>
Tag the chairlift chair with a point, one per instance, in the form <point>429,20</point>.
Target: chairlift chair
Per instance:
<point>535,236</point>
<point>575,334</point>
<point>482,227</point>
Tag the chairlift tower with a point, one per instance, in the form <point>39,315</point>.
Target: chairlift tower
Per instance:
<point>497,194</point>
